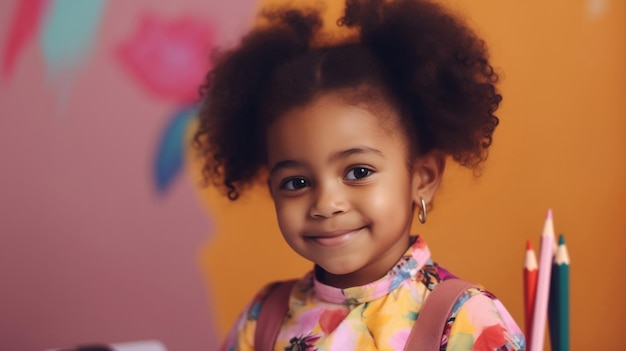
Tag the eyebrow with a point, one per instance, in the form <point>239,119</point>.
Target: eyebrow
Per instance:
<point>284,164</point>
<point>355,151</point>
<point>337,156</point>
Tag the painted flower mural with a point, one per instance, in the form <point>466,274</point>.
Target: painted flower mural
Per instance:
<point>96,98</point>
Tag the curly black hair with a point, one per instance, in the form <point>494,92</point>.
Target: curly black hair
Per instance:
<point>423,59</point>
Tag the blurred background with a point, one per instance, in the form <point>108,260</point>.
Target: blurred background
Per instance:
<point>107,236</point>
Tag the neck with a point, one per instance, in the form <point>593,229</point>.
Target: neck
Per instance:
<point>365,275</point>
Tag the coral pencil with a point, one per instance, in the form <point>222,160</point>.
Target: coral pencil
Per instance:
<point>530,288</point>
<point>540,312</point>
<point>558,306</point>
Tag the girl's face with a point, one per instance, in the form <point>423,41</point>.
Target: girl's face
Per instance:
<point>342,188</point>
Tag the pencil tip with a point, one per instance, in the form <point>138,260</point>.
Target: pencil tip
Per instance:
<point>529,245</point>
<point>561,239</point>
<point>549,214</point>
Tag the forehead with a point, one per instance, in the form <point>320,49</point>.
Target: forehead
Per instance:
<point>331,123</point>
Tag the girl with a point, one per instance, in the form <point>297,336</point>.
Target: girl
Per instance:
<point>351,134</point>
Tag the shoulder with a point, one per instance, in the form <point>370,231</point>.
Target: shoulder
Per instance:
<point>479,321</point>
<point>254,306</point>
<point>242,333</point>
<point>273,294</point>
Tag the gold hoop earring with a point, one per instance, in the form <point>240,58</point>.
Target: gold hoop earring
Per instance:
<point>422,213</point>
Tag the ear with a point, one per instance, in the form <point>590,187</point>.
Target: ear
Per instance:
<point>427,175</point>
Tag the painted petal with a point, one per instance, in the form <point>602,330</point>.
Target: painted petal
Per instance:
<point>69,31</point>
<point>171,149</point>
<point>27,19</point>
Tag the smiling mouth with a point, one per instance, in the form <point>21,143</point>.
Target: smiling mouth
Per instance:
<point>333,239</point>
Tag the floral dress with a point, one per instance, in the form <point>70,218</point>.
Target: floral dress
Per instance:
<point>379,315</point>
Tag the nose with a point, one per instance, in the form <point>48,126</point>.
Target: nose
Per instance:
<point>327,202</point>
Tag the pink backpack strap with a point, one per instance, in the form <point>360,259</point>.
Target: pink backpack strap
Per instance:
<point>430,324</point>
<point>273,311</point>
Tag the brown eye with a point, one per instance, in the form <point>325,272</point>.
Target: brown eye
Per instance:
<point>294,184</point>
<point>358,173</point>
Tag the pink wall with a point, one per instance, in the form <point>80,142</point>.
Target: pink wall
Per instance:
<point>89,250</point>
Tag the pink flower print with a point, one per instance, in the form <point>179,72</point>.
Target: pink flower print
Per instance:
<point>169,59</point>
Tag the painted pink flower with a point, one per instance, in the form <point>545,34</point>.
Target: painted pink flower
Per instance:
<point>169,59</point>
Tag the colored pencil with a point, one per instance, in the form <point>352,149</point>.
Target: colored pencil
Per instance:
<point>530,288</point>
<point>558,306</point>
<point>540,312</point>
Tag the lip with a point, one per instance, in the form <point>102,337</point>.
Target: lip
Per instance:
<point>333,238</point>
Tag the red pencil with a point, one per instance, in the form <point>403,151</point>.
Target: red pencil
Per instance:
<point>530,288</point>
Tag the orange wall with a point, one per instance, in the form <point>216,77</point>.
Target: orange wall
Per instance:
<point>561,145</point>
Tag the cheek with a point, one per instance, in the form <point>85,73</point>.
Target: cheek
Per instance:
<point>393,202</point>
<point>288,217</point>
<point>389,203</point>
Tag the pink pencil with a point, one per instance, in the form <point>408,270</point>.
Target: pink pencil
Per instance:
<point>543,285</point>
